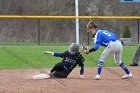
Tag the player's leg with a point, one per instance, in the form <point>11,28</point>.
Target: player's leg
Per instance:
<point>59,74</point>
<point>58,67</point>
<point>123,66</point>
<point>106,53</point>
<point>59,71</point>
<point>117,58</point>
<point>136,57</point>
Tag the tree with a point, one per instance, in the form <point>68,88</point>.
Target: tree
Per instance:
<point>126,32</point>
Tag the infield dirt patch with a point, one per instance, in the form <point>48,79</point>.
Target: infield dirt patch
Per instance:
<point>20,81</point>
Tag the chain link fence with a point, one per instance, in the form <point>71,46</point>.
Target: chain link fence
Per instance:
<point>41,31</point>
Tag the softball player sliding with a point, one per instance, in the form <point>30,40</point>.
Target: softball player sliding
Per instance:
<point>113,46</point>
<point>71,59</point>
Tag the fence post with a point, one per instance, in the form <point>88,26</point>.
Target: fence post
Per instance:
<point>138,30</point>
<point>38,31</point>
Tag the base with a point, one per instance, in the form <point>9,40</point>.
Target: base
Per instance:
<point>41,76</point>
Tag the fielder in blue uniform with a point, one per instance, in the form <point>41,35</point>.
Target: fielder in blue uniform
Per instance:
<point>71,58</point>
<point>109,40</point>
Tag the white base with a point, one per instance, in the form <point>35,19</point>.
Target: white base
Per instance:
<point>41,76</point>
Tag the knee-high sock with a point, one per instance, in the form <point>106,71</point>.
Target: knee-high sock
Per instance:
<point>100,66</point>
<point>124,67</point>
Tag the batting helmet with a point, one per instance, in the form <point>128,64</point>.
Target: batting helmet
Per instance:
<point>74,48</point>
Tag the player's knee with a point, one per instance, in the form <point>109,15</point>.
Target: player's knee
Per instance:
<point>102,59</point>
<point>58,65</point>
<point>118,62</point>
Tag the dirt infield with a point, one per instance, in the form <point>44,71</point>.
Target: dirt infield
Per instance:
<point>20,81</point>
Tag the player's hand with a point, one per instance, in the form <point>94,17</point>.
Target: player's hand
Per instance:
<point>86,51</point>
<point>47,52</point>
<point>82,76</point>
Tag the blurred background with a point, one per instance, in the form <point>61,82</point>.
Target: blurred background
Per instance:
<point>41,31</point>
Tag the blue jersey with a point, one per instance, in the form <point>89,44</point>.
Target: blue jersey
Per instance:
<point>103,38</point>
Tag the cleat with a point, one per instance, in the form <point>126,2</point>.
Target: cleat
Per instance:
<point>127,76</point>
<point>97,77</point>
<point>49,72</point>
<point>133,64</point>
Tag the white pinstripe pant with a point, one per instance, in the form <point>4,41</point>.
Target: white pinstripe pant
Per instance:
<point>115,48</point>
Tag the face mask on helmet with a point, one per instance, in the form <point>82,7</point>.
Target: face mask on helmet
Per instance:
<point>74,48</point>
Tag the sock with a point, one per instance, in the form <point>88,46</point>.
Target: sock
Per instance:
<point>100,66</point>
<point>99,70</point>
<point>124,67</point>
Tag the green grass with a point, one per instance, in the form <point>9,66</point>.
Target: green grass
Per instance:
<point>21,57</point>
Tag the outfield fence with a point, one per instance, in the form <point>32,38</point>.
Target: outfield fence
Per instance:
<point>70,17</point>
<point>21,29</point>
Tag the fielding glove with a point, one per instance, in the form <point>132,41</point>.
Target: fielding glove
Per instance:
<point>84,49</point>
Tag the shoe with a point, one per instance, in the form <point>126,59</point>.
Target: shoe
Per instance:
<point>133,64</point>
<point>97,77</point>
<point>49,72</point>
<point>127,76</point>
